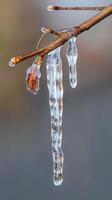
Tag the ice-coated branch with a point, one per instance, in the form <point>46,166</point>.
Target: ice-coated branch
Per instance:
<point>64,36</point>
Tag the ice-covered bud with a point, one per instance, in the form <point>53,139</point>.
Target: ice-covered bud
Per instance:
<point>12,62</point>
<point>15,60</point>
<point>32,78</point>
<point>50,8</point>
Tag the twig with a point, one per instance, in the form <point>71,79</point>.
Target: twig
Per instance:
<point>52,8</point>
<point>65,36</point>
<point>50,30</point>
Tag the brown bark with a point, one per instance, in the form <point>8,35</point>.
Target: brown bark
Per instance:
<point>65,36</point>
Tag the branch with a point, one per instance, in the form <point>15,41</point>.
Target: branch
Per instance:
<point>52,8</point>
<point>50,30</point>
<point>64,36</point>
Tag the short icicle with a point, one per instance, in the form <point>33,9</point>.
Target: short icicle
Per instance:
<point>55,87</point>
<point>72,55</point>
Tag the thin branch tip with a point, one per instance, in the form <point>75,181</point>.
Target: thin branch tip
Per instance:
<point>59,8</point>
<point>50,8</point>
<point>44,30</point>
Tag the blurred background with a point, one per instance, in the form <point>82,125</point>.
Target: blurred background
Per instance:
<point>25,143</point>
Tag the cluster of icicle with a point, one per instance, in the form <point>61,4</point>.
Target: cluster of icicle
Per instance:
<point>55,87</point>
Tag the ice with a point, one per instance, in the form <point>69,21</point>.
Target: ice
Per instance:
<point>72,55</point>
<point>33,75</point>
<point>11,62</point>
<point>55,87</point>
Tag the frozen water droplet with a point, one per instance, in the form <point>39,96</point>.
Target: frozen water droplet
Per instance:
<point>11,62</point>
<point>58,179</point>
<point>72,54</point>
<point>50,8</point>
<point>55,87</point>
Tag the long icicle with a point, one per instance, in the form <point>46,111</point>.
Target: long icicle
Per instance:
<point>72,54</point>
<point>55,87</point>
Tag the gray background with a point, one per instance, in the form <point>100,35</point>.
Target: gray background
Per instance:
<point>25,143</point>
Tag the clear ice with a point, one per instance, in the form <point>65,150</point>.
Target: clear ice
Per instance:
<point>72,55</point>
<point>11,63</point>
<point>55,87</point>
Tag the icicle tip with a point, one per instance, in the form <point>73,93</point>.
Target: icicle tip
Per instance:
<point>58,179</point>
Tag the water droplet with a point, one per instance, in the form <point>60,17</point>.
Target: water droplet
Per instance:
<point>58,179</point>
<point>11,63</point>
<point>50,8</point>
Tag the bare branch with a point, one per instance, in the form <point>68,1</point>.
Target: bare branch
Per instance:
<point>65,36</point>
<point>58,8</point>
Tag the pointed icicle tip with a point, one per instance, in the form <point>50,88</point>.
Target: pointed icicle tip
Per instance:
<point>58,179</point>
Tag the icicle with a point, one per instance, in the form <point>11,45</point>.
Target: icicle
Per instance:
<point>33,75</point>
<point>55,87</point>
<point>72,54</point>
